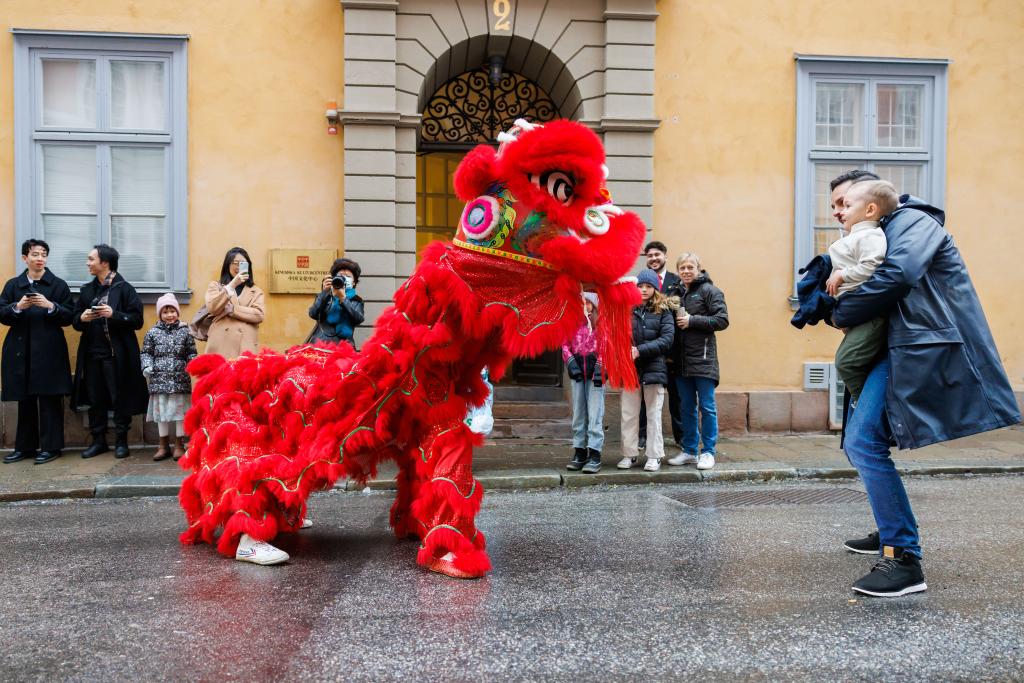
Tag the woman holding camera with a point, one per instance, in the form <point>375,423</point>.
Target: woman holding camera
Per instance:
<point>337,309</point>
<point>235,304</point>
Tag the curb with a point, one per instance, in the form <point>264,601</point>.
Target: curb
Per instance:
<point>140,487</point>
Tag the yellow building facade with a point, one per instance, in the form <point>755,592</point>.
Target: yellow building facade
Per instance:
<point>702,105</point>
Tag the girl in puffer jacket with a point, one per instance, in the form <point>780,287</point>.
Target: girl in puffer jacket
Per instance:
<point>584,364</point>
<point>166,350</point>
<point>653,334</point>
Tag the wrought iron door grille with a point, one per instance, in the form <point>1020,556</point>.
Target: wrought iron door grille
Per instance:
<point>748,497</point>
<point>471,109</point>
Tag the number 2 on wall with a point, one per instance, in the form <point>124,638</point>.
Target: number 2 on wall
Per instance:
<point>502,9</point>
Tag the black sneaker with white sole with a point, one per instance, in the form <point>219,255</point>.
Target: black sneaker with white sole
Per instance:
<point>896,573</point>
<point>865,546</point>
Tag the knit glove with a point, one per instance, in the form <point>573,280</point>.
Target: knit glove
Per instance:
<point>575,372</point>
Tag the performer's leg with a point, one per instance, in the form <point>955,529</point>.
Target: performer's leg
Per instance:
<point>402,521</point>
<point>446,503</point>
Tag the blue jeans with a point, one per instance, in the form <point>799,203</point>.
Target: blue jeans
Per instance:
<point>587,415</point>
<point>867,443</point>
<point>694,393</point>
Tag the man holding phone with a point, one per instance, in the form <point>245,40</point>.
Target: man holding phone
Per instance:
<point>108,375</point>
<point>35,368</point>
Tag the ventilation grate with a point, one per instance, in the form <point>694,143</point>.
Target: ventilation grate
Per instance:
<point>748,497</point>
<point>816,376</point>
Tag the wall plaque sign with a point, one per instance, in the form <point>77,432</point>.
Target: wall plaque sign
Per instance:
<point>299,271</point>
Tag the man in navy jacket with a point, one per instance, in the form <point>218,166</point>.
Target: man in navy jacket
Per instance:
<point>941,378</point>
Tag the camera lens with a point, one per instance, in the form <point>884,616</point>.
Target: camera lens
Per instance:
<point>338,282</point>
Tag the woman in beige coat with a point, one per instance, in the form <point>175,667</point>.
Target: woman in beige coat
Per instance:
<point>236,306</point>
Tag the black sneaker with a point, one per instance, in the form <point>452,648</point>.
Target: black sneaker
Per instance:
<point>865,546</point>
<point>579,459</point>
<point>896,573</point>
<point>593,465</point>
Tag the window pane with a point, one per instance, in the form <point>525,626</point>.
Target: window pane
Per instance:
<point>906,177</point>
<point>826,228</point>
<point>70,239</point>
<point>69,178</point>
<point>137,95</point>
<point>137,180</point>
<point>140,241</point>
<point>435,174</point>
<point>899,115</point>
<point>838,114</point>
<point>69,93</point>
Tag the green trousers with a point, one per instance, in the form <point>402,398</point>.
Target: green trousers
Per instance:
<point>860,348</point>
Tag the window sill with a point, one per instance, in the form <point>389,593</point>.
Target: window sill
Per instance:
<point>149,295</point>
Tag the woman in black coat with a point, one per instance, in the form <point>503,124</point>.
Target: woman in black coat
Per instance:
<point>108,375</point>
<point>35,368</point>
<point>652,340</point>
<point>702,312</point>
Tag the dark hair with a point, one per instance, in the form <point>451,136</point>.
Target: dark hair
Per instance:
<point>660,246</point>
<point>347,264</point>
<point>107,254</point>
<point>225,269</point>
<point>27,245</point>
<point>856,175</point>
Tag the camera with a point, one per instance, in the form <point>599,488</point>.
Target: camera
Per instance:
<point>338,282</point>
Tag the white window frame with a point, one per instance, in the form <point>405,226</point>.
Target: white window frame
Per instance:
<point>932,73</point>
<point>30,47</point>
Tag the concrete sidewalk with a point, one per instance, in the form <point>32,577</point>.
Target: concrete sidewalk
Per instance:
<point>525,463</point>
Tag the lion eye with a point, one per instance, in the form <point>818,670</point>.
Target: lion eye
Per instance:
<point>558,184</point>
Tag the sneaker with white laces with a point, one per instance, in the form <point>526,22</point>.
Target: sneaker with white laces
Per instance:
<point>258,552</point>
<point>706,461</point>
<point>683,458</point>
<point>652,465</point>
<point>626,463</point>
<point>306,523</point>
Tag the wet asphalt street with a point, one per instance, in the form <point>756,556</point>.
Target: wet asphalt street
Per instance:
<point>605,584</point>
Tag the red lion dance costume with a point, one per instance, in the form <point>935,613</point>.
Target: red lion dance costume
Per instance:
<point>268,429</point>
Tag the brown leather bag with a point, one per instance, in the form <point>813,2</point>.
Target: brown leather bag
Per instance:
<point>200,325</point>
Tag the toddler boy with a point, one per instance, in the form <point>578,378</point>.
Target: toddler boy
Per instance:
<point>855,256</point>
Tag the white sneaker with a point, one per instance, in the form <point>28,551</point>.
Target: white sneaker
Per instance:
<point>652,465</point>
<point>683,458</point>
<point>626,463</point>
<point>306,523</point>
<point>706,461</point>
<point>258,552</point>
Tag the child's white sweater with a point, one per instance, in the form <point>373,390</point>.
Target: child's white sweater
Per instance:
<point>858,254</point>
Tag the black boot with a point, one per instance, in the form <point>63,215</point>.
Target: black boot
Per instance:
<point>99,445</point>
<point>121,447</point>
<point>593,465</point>
<point>579,458</point>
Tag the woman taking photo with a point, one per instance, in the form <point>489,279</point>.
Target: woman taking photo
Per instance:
<point>337,309</point>
<point>235,304</point>
<point>701,314</point>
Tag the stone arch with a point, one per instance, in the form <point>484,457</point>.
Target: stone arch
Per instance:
<point>518,55</point>
<point>594,57</point>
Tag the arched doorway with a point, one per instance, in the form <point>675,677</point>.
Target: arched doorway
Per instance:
<point>468,110</point>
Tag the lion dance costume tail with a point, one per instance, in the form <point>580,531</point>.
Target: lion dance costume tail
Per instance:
<point>268,429</point>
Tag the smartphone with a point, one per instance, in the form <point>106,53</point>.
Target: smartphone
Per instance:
<point>243,267</point>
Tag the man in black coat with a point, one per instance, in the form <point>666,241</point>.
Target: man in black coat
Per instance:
<point>108,375</point>
<point>35,368</point>
<point>940,379</point>
<point>656,254</point>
